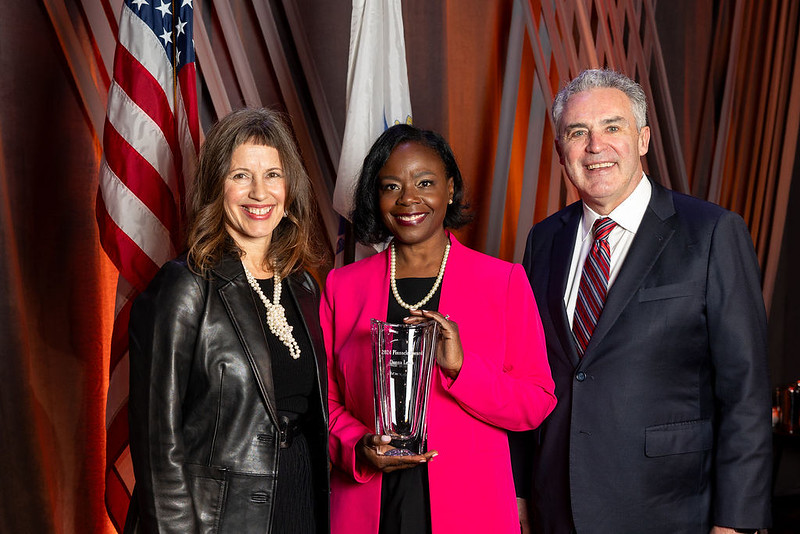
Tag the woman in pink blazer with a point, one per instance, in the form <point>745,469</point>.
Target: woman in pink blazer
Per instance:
<point>491,374</point>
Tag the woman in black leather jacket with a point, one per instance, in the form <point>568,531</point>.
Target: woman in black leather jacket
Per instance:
<point>228,416</point>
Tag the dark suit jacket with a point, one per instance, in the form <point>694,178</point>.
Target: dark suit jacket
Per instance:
<point>664,425</point>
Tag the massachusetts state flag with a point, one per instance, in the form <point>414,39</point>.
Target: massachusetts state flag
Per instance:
<point>150,143</point>
<point>377,88</point>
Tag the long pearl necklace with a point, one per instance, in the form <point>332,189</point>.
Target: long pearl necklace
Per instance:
<point>431,293</point>
<point>276,314</point>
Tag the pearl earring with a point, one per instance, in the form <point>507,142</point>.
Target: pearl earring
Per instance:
<point>450,201</point>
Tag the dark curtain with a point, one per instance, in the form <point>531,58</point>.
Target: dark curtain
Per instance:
<point>54,309</point>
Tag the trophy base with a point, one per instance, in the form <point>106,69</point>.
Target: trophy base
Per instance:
<point>406,447</point>
<point>398,452</point>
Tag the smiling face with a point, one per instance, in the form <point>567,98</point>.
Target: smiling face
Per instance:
<point>413,192</point>
<point>254,196</point>
<point>600,147</point>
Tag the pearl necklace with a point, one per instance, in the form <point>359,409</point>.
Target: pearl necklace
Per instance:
<point>431,293</point>
<point>276,314</point>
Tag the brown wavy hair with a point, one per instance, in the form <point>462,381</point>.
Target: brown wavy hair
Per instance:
<point>296,243</point>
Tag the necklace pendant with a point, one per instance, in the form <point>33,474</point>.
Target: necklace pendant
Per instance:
<point>276,314</point>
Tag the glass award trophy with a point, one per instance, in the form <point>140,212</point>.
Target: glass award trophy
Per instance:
<point>403,356</point>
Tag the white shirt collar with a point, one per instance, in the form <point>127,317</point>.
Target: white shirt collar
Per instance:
<point>628,214</point>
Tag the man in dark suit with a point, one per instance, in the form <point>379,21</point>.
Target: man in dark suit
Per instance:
<point>656,335</point>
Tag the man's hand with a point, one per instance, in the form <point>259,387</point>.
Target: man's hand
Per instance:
<point>722,530</point>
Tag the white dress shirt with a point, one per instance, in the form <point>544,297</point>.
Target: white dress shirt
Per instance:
<point>628,215</point>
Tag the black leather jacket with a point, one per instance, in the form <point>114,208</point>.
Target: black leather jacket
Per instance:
<point>204,438</point>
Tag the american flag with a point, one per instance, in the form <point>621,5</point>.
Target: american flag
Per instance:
<point>150,143</point>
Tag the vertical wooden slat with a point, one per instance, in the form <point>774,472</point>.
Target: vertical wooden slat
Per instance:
<point>742,124</point>
<point>236,49</point>
<point>505,131</point>
<point>559,46</point>
<point>758,121</point>
<point>585,30</point>
<point>323,185</point>
<point>332,138</point>
<point>677,175</point>
<point>530,175</point>
<point>208,65</point>
<point>788,144</point>
<point>726,109</point>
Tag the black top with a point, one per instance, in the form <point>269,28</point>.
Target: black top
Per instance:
<point>294,383</point>
<point>405,497</point>
<point>293,379</point>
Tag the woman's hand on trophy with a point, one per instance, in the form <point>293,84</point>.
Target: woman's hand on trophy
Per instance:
<point>450,355</point>
<point>372,449</point>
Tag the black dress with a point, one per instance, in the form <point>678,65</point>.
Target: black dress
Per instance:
<point>295,383</point>
<point>405,496</point>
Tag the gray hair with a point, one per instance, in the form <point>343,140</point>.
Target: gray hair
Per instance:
<point>600,79</point>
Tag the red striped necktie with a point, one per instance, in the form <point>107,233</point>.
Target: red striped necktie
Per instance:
<point>594,284</point>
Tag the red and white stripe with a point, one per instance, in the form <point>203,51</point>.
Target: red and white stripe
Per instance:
<point>150,143</point>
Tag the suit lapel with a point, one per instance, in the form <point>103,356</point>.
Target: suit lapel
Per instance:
<point>653,234</point>
<point>563,245</point>
<point>244,311</point>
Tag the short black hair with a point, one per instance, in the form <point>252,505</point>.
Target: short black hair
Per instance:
<point>368,226</point>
